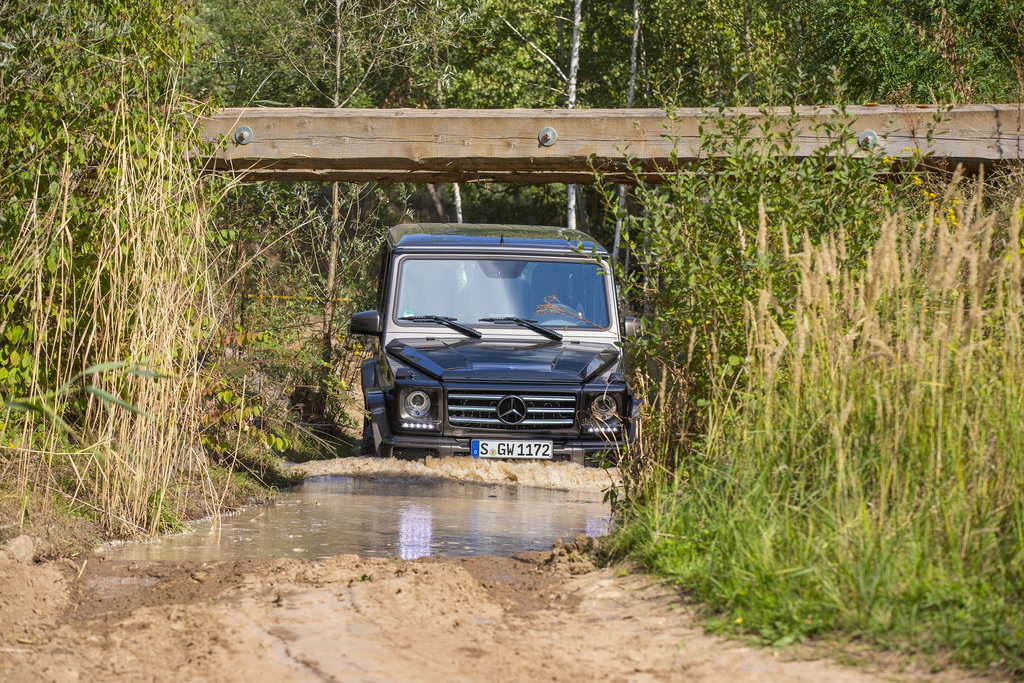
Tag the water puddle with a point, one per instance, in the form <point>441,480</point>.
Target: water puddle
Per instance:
<point>387,517</point>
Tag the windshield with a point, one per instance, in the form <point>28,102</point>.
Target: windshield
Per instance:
<point>553,293</point>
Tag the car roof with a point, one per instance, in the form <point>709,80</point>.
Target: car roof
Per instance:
<point>486,237</point>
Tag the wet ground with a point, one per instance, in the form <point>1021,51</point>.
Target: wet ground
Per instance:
<point>537,616</point>
<point>392,517</point>
<point>376,570</point>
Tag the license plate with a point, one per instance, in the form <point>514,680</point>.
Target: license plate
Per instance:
<point>494,448</point>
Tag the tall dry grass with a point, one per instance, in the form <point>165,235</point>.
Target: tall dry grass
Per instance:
<point>865,476</point>
<point>125,294</point>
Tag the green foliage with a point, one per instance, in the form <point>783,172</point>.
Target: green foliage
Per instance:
<point>499,67</point>
<point>325,53</point>
<point>68,81</point>
<point>855,471</point>
<point>718,234</point>
<point>917,50</point>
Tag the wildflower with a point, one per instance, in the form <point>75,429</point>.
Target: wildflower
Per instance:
<point>918,180</point>
<point>739,620</point>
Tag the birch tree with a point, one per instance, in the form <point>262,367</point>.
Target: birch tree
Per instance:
<point>620,218</point>
<point>570,99</point>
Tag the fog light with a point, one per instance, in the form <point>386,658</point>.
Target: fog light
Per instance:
<point>419,425</point>
<point>603,429</point>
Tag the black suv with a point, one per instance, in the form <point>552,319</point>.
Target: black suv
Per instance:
<point>496,341</point>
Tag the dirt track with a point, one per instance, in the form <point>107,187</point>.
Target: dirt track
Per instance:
<point>542,616</point>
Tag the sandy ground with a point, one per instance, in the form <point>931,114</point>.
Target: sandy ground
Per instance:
<point>539,473</point>
<point>537,617</point>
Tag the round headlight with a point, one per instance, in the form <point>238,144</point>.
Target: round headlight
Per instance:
<point>603,407</point>
<point>417,403</point>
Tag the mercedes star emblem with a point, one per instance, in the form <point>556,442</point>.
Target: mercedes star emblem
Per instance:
<point>512,410</point>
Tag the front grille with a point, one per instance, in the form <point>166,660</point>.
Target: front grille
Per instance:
<point>544,410</point>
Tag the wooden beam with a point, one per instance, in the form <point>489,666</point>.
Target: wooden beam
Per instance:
<point>385,176</point>
<point>504,145</point>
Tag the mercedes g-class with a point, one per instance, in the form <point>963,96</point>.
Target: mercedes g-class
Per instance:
<point>496,341</point>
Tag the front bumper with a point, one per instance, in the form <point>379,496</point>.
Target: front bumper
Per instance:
<point>569,445</point>
<point>581,451</point>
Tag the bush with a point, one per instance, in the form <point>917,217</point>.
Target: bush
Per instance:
<point>860,474</point>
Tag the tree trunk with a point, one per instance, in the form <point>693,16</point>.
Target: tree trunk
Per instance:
<point>432,191</point>
<point>570,101</point>
<point>620,219</point>
<point>327,346</point>
<point>458,202</point>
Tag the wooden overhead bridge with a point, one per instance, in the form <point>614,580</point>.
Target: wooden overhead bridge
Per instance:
<point>566,146</point>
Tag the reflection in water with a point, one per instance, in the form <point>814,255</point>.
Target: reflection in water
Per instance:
<point>596,526</point>
<point>383,517</point>
<point>415,530</point>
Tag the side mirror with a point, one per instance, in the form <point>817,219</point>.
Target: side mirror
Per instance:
<point>365,322</point>
<point>632,326</point>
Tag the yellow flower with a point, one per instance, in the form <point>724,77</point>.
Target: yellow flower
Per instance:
<point>918,180</point>
<point>739,620</point>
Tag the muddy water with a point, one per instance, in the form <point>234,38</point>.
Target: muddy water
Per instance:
<point>387,517</point>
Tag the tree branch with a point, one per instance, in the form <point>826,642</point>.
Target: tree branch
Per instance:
<point>543,54</point>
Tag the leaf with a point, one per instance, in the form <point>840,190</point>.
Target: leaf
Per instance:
<point>22,407</point>
<point>93,369</point>
<point>14,333</point>
<point>116,400</point>
<point>104,367</point>
<point>38,406</point>
<point>140,372</point>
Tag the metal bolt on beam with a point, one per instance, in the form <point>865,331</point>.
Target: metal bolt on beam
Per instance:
<point>547,136</point>
<point>243,135</point>
<point>868,138</point>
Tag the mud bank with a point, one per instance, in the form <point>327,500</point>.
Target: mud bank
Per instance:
<point>550,475</point>
<point>539,616</point>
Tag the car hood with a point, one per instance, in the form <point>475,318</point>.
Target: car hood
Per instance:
<point>508,361</point>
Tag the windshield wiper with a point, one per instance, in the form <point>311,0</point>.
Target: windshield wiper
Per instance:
<point>527,323</point>
<point>444,320</point>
